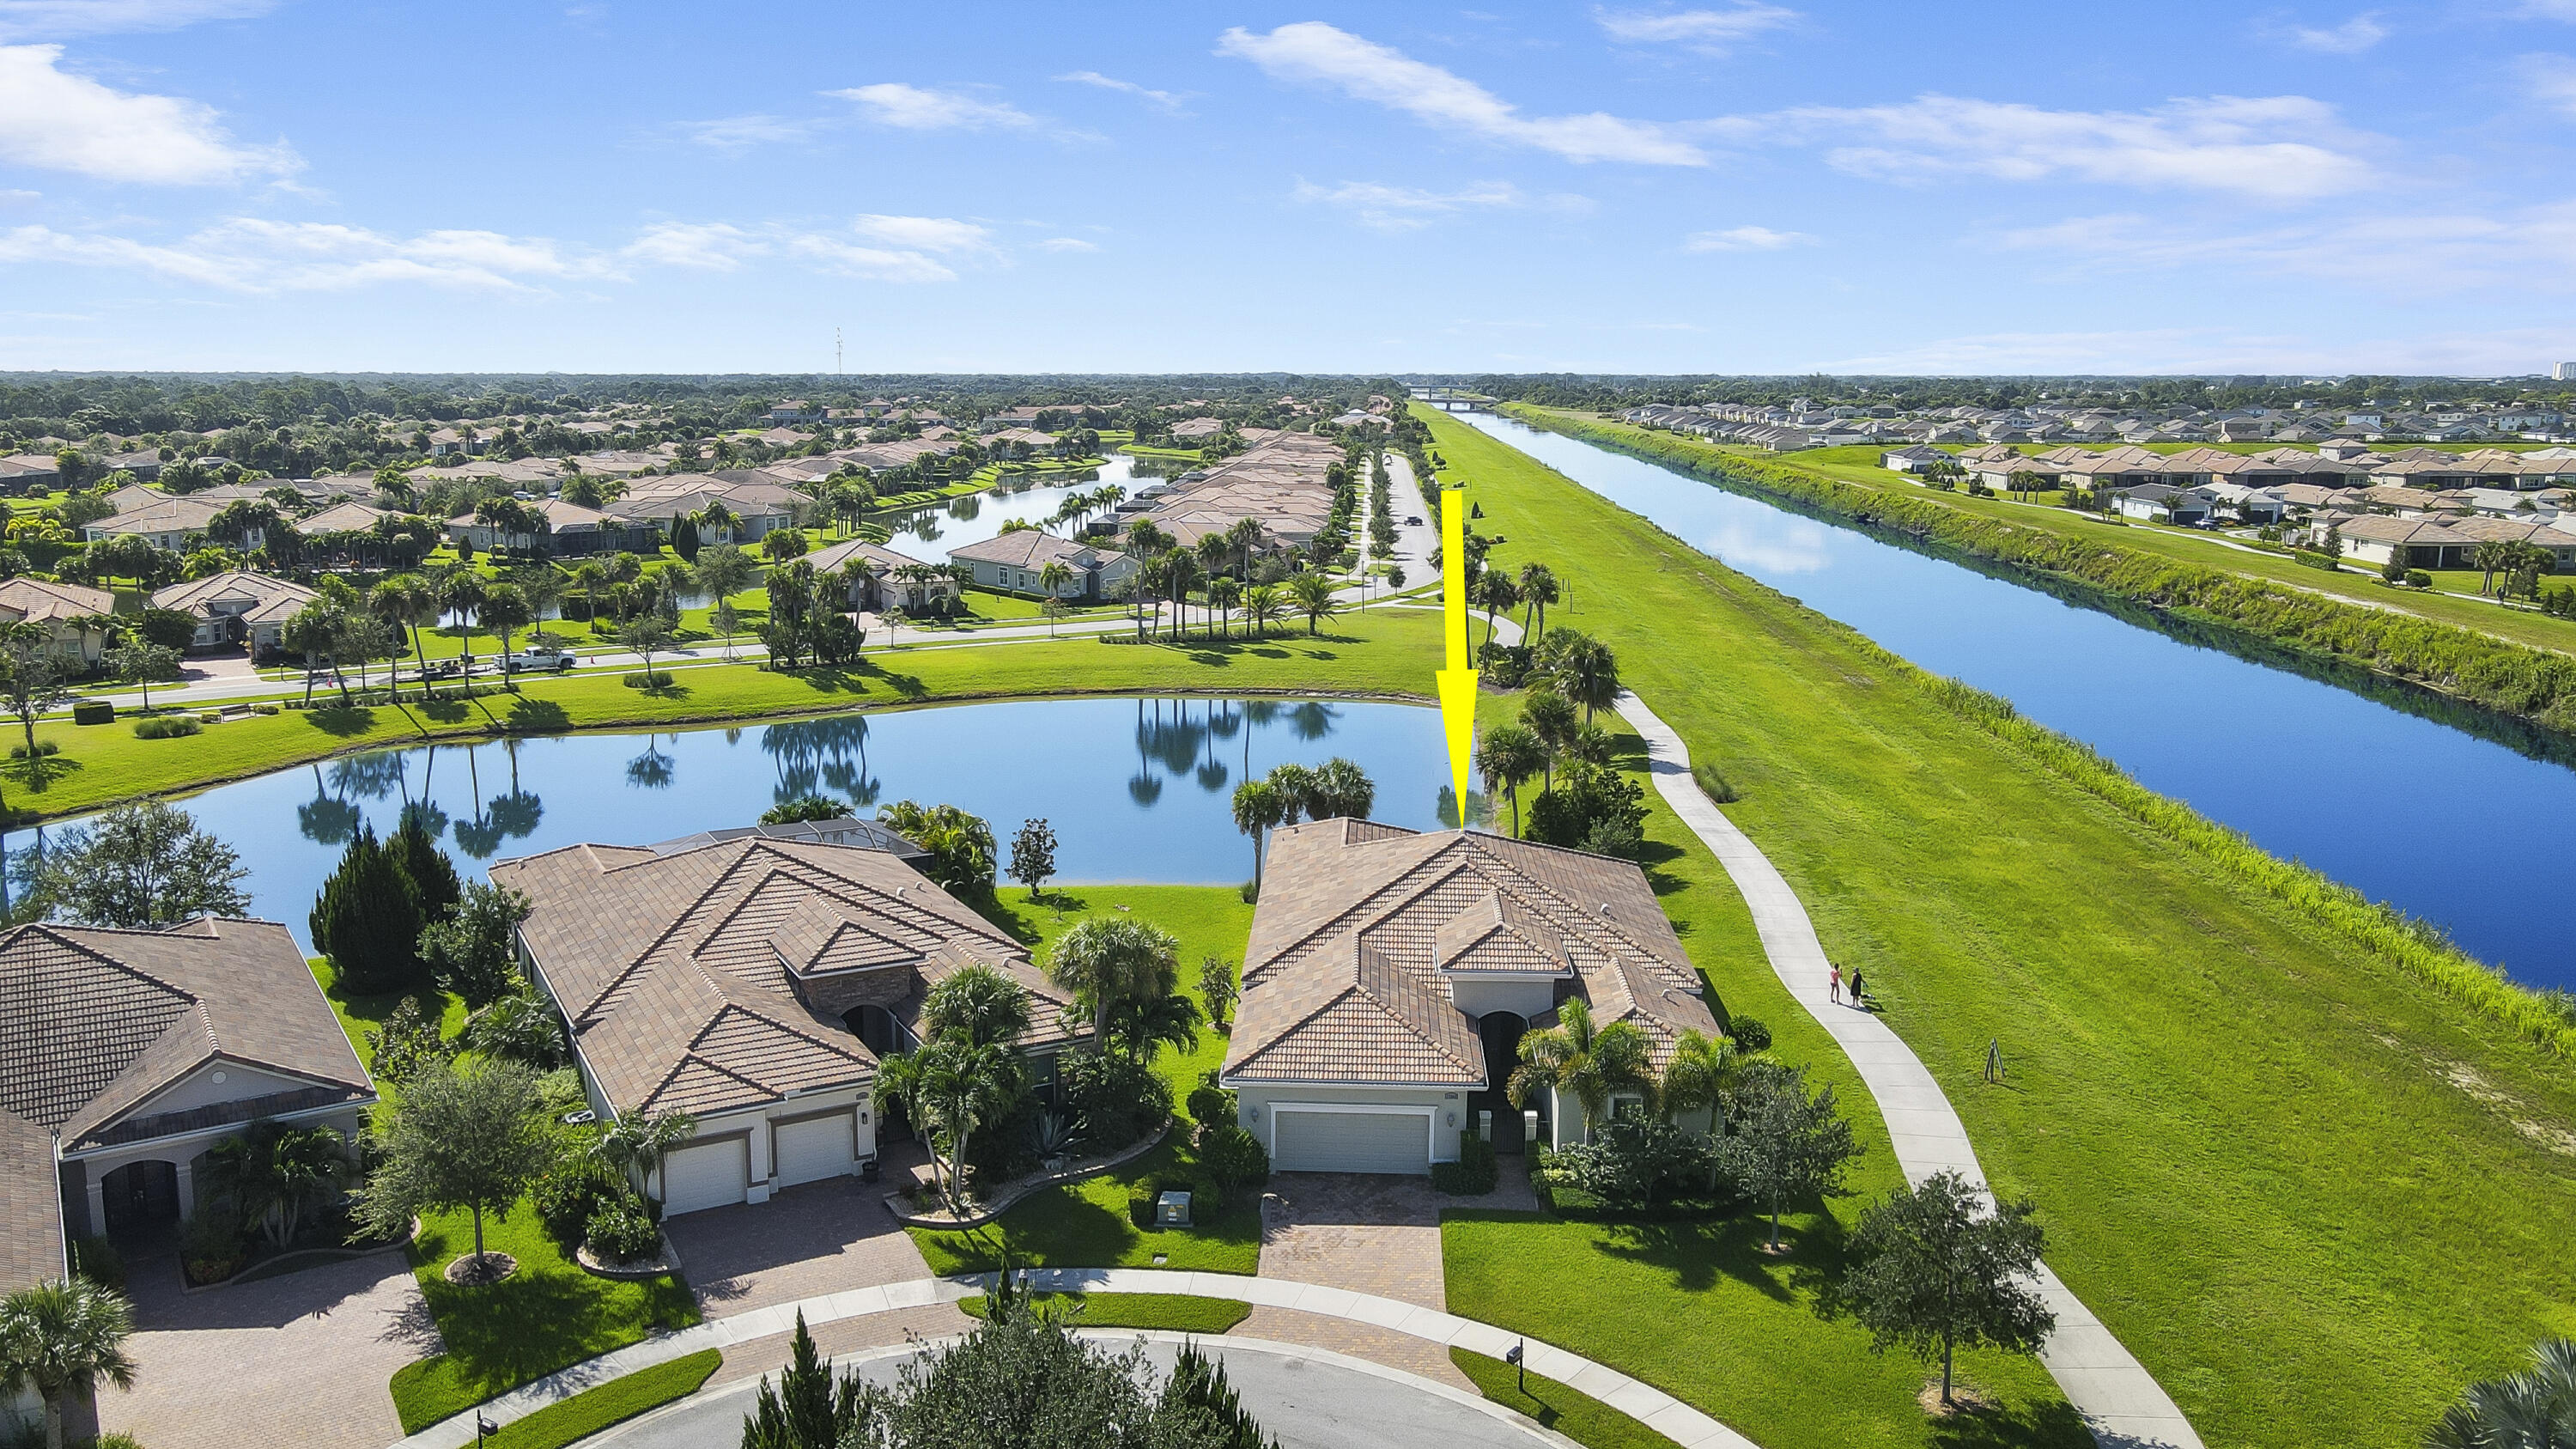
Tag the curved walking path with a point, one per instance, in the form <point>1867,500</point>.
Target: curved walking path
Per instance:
<point>2122,1403</point>
<point>1653,1407</point>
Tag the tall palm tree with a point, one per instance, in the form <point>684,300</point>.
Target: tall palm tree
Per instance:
<point>406,602</point>
<point>1496,592</point>
<point>1702,1071</point>
<point>1538,589</point>
<point>1221,596</point>
<point>460,591</point>
<point>1550,716</point>
<point>1053,575</point>
<point>60,1338</point>
<point>2534,1409</point>
<point>951,1088</point>
<point>1257,807</point>
<point>505,611</point>
<point>1509,755</point>
<point>978,1002</point>
<point>1584,670</point>
<point>1181,568</point>
<point>587,576</point>
<point>1579,1060</point>
<point>1110,961</point>
<point>1312,593</point>
<point>1245,536</point>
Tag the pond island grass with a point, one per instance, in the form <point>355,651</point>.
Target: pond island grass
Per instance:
<point>2312,1190</point>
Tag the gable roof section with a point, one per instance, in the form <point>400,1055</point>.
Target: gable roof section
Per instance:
<point>1348,1014</point>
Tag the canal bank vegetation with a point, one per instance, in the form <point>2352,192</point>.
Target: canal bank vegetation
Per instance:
<point>2524,682</point>
<point>1390,652</point>
<point>2313,1191</point>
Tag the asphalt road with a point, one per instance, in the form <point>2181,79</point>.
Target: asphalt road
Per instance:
<point>1309,1398</point>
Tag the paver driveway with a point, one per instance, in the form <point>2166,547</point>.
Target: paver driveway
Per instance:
<point>1369,1233</point>
<point>820,1238</point>
<point>299,1360</point>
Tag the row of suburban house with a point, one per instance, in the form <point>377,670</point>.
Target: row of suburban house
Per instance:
<point>1800,425</point>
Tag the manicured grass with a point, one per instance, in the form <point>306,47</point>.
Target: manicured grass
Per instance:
<point>360,1014</point>
<point>1085,1225</point>
<point>2313,1193</point>
<point>1381,652</point>
<point>1579,1417</point>
<point>546,1316</point>
<point>1170,1312</point>
<point>614,1402</point>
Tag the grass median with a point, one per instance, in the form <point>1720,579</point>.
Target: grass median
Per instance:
<point>2312,1191</point>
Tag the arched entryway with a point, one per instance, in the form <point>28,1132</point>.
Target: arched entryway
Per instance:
<point>1501,1032</point>
<point>876,1028</point>
<point>141,1199</point>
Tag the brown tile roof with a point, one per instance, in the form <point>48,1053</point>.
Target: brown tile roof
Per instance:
<point>1360,925</point>
<point>44,602</point>
<point>31,1205</point>
<point>273,598</point>
<point>690,978</point>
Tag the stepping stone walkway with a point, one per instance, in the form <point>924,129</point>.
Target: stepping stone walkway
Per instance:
<point>2124,1405</point>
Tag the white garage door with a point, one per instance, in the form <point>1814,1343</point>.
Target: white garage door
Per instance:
<point>815,1149</point>
<point>1350,1141</point>
<point>707,1176</point>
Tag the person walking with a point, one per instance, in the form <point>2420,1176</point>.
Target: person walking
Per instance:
<point>1834,987</point>
<point>1858,1004</point>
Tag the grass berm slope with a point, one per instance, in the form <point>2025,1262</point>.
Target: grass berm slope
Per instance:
<point>2312,1189</point>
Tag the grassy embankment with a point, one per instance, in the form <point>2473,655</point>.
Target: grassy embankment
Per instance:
<point>1170,1312</point>
<point>614,1402</point>
<point>2503,660</point>
<point>1086,1224</point>
<point>2312,1171</point>
<point>1381,652</point>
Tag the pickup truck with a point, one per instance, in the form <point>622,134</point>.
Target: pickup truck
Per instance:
<point>536,661</point>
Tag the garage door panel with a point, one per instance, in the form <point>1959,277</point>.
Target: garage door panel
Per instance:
<point>817,1148</point>
<point>708,1175</point>
<point>1308,1141</point>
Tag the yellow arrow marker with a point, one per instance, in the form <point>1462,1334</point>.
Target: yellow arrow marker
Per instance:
<point>1458,680</point>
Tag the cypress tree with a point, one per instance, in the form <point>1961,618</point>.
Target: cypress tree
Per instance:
<point>366,922</point>
<point>435,888</point>
<point>684,540</point>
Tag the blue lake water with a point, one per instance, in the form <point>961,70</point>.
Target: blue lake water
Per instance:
<point>1137,790</point>
<point>2447,826</point>
<point>929,533</point>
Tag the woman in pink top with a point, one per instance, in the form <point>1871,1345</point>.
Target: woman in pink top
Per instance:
<point>1836,986</point>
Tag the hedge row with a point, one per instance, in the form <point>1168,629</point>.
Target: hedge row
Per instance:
<point>2529,684</point>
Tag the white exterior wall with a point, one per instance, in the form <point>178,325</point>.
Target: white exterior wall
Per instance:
<point>760,1123</point>
<point>1448,1107</point>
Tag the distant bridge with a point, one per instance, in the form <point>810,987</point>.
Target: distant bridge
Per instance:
<point>1454,399</point>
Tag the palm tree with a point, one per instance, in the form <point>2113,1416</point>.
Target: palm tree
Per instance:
<point>637,1145</point>
<point>1257,807</point>
<point>717,522</point>
<point>1110,961</point>
<point>1262,606</point>
<point>1181,567</point>
<point>1221,595</point>
<point>1698,1077</point>
<point>1584,670</point>
<point>506,611</point>
<point>60,1338</point>
<point>405,601</point>
<point>1142,1023</point>
<point>1538,589</point>
<point>977,1002</point>
<point>1340,788</point>
<point>1510,754</point>
<point>1313,596</point>
<point>2534,1409</point>
<point>1496,592</point>
<point>1053,575</point>
<point>2489,558</point>
<point>1579,1060</point>
<point>1548,715</point>
<point>951,1088</point>
<point>460,591</point>
<point>1244,537</point>
<point>587,576</point>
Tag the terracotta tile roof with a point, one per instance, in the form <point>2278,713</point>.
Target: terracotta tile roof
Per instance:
<point>270,597</point>
<point>692,978</point>
<point>1341,897</point>
<point>40,601</point>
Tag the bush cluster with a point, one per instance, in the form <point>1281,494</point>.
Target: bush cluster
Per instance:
<point>167,727</point>
<point>1473,1174</point>
<point>1115,1100</point>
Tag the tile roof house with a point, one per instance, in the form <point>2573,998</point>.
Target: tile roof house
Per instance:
<point>1280,481</point>
<point>879,585</point>
<point>757,506</point>
<point>168,520</point>
<point>66,609</point>
<point>236,607</point>
<point>753,983</point>
<point>125,1055</point>
<point>1390,975</point>
<point>1011,561</point>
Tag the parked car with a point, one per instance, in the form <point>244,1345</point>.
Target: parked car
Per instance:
<point>545,661</point>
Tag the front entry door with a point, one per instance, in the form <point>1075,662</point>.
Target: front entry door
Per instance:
<point>1501,1032</point>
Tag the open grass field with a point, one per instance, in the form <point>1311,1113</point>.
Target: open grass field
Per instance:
<point>1381,652</point>
<point>546,1316</point>
<point>2449,604</point>
<point>2311,1192</point>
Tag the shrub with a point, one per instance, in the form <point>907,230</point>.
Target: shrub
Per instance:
<point>167,727</point>
<point>2316,560</point>
<point>263,709</point>
<point>1114,1100</point>
<point>2418,579</point>
<point>1234,1159</point>
<point>93,711</point>
<point>212,1245</point>
<point>1748,1033</point>
<point>1212,1106</point>
<point>1251,893</point>
<point>575,1190</point>
<point>1714,785</point>
<point>1629,1162</point>
<point>622,1232</point>
<point>210,716</point>
<point>659,679</point>
<point>97,1260</point>
<point>44,748</point>
<point>1473,1174</point>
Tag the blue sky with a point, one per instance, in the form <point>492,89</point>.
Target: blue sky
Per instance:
<point>1713,185</point>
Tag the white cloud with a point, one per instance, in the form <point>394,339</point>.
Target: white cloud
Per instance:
<point>59,19</point>
<point>1405,208</point>
<point>1746,239</point>
<point>1168,100</point>
<point>912,108</point>
<point>62,122</point>
<point>2213,350</point>
<point>873,263</point>
<point>1711,32</point>
<point>2274,148</point>
<point>1317,53</point>
<point>735,133</point>
<point>925,233</point>
<point>249,254</point>
<point>2435,252</point>
<point>1067,244</point>
<point>706,246</point>
<point>2352,37</point>
<point>2551,80</point>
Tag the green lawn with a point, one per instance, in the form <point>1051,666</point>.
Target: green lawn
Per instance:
<point>1381,652</point>
<point>614,1402</point>
<point>1206,920</point>
<point>1086,1225</point>
<point>546,1316</point>
<point>2312,1193</point>
<point>359,1014</point>
<point>1585,1420</point>
<point>1170,1312</point>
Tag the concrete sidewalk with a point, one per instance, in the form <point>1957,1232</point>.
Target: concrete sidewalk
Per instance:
<point>2122,1403</point>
